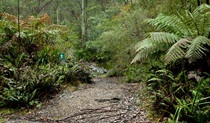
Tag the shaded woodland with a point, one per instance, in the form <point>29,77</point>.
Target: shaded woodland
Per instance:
<point>165,44</point>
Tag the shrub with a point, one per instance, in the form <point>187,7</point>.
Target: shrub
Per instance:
<point>180,98</point>
<point>31,68</point>
<point>76,71</point>
<point>28,84</point>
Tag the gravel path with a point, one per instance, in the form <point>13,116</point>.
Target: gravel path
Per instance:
<point>105,101</point>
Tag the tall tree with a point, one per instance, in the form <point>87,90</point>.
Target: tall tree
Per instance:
<point>84,21</point>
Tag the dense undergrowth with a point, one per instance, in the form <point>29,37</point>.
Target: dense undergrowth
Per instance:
<point>173,59</point>
<point>143,41</point>
<point>31,67</point>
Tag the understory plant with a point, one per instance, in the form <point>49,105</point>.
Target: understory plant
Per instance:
<point>25,86</point>
<point>180,98</point>
<point>183,39</point>
<point>184,35</point>
<point>114,45</point>
<point>31,66</point>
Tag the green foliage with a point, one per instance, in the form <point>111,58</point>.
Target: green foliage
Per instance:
<point>116,38</point>
<point>76,71</point>
<point>31,68</point>
<point>195,109</point>
<point>92,52</point>
<point>49,55</point>
<point>141,72</point>
<point>184,35</point>
<point>182,99</point>
<point>37,40</point>
<point>28,84</point>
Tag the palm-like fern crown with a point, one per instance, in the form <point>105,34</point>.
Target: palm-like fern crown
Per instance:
<point>180,36</point>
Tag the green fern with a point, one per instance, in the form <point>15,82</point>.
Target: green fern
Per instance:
<point>176,51</point>
<point>197,48</point>
<point>181,36</point>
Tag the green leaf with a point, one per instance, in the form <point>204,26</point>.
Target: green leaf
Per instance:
<point>177,50</point>
<point>197,48</point>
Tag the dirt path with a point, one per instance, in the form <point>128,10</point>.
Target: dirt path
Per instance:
<point>104,101</point>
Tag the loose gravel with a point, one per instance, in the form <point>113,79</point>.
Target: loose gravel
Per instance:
<point>105,101</point>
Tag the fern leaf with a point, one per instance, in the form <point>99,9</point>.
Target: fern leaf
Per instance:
<point>197,49</point>
<point>155,80</point>
<point>171,24</point>
<point>186,23</point>
<point>143,44</point>
<point>146,47</point>
<point>164,37</point>
<point>153,43</point>
<point>177,50</point>
<point>202,9</point>
<point>203,21</point>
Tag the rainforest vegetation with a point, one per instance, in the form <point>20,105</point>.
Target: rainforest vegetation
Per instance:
<point>165,44</point>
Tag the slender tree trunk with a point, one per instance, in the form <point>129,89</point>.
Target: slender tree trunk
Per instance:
<point>18,38</point>
<point>57,16</point>
<point>84,22</point>
<point>18,20</point>
<point>57,11</point>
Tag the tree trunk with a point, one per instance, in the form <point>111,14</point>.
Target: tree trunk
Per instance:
<point>84,22</point>
<point>57,16</point>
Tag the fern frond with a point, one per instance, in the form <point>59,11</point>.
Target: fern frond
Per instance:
<point>197,48</point>
<point>146,47</point>
<point>171,24</point>
<point>201,19</point>
<point>155,42</point>
<point>202,9</point>
<point>142,44</point>
<point>164,37</point>
<point>9,17</point>
<point>155,79</point>
<point>203,23</point>
<point>177,50</point>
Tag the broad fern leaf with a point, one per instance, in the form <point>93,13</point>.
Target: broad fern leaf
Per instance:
<point>177,50</point>
<point>144,51</point>
<point>202,9</point>
<point>197,48</point>
<point>143,44</point>
<point>164,37</point>
<point>171,24</point>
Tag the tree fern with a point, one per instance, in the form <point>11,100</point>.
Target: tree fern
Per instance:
<point>183,35</point>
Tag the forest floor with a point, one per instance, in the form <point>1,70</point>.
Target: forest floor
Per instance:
<point>106,100</point>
